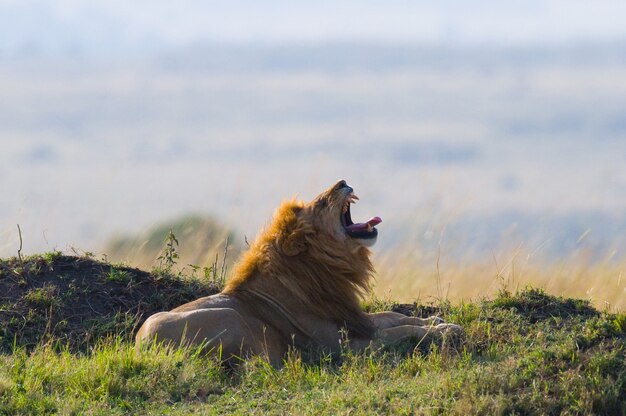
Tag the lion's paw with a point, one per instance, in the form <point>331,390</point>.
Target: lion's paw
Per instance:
<point>435,320</point>
<point>452,335</point>
<point>450,329</point>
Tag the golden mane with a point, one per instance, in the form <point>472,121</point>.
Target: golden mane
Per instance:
<point>296,262</point>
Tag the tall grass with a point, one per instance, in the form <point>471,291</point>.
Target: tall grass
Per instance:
<point>202,240</point>
<point>407,275</point>
<point>405,272</point>
<point>112,379</point>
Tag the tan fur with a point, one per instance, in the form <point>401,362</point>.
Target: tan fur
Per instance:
<point>298,285</point>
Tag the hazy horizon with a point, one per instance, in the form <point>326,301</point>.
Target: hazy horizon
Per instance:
<point>478,127</point>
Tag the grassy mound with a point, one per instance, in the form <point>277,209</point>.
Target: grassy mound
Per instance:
<point>78,300</point>
<point>536,305</point>
<point>522,353</point>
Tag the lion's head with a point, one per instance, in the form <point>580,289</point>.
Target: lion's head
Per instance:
<point>313,253</point>
<point>300,227</point>
<point>330,213</point>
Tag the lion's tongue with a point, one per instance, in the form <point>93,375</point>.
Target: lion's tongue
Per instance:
<point>363,226</point>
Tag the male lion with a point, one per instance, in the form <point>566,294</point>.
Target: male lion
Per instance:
<point>297,286</point>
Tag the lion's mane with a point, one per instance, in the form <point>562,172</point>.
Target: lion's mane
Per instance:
<point>292,259</point>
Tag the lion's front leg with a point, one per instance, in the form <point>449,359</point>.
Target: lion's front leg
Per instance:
<point>397,334</point>
<point>383,320</point>
<point>393,328</point>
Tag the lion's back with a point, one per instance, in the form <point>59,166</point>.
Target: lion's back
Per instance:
<point>219,300</point>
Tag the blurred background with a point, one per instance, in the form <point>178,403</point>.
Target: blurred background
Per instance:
<point>489,137</point>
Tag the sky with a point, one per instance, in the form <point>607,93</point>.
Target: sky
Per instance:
<point>448,115</point>
<point>114,26</point>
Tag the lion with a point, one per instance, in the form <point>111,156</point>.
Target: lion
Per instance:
<point>299,286</point>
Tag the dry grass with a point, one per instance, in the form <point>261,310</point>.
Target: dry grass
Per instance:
<point>408,273</point>
<point>406,276</point>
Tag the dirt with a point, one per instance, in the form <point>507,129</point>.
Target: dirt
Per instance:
<point>75,301</point>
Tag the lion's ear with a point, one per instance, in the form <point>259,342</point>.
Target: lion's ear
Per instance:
<point>291,228</point>
<point>295,242</point>
<point>294,245</point>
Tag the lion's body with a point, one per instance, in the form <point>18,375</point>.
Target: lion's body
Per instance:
<point>297,286</point>
<point>225,326</point>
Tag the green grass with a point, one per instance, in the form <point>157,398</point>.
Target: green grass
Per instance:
<point>523,353</point>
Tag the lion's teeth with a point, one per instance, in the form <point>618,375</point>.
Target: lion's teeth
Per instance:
<point>352,199</point>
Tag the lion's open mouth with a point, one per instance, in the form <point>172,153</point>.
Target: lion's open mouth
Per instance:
<point>361,230</point>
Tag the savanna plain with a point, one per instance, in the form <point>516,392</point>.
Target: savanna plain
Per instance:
<point>67,323</point>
